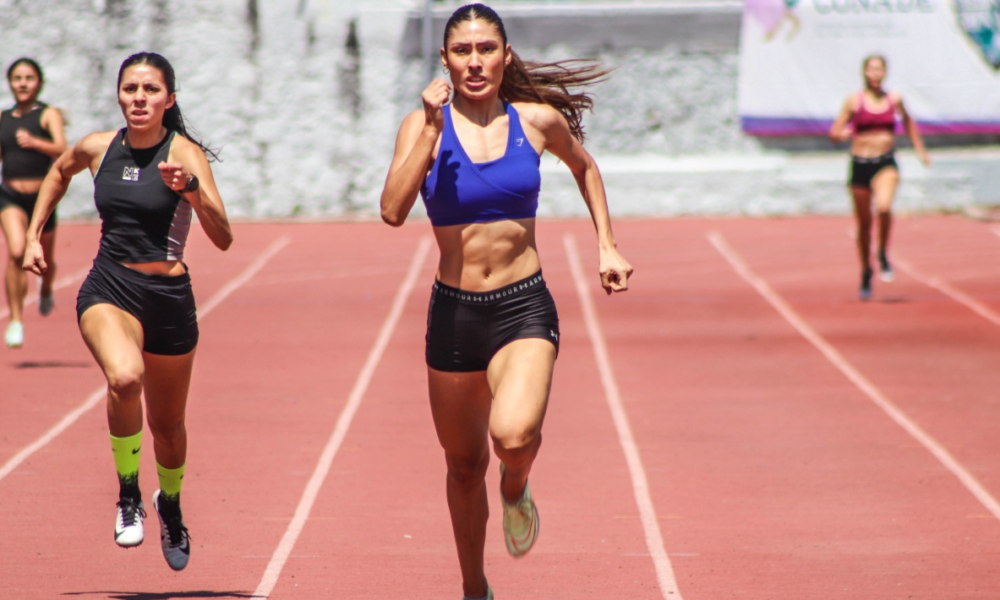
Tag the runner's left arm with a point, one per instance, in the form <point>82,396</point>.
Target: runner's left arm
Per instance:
<point>187,159</point>
<point>913,132</point>
<point>52,121</point>
<point>559,140</point>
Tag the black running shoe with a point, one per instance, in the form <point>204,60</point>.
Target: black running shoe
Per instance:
<point>174,538</point>
<point>865,291</point>
<point>885,268</point>
<point>128,522</point>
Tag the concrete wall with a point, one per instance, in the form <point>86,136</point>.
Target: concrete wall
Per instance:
<point>304,98</point>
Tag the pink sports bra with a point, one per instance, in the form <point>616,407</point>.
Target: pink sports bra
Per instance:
<point>865,120</point>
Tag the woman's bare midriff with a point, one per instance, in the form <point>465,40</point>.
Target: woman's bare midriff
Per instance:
<point>166,268</point>
<point>24,186</point>
<point>872,143</point>
<point>479,257</point>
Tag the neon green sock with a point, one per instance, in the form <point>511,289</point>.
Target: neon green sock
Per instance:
<point>126,451</point>
<point>170,481</point>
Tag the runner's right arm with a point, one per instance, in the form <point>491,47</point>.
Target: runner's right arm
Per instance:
<point>415,143</point>
<point>85,153</point>
<point>840,131</point>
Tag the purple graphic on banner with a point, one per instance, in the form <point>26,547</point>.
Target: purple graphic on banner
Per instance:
<point>770,14</point>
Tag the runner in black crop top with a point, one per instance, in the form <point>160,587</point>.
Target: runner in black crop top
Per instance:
<point>142,220</point>
<point>31,136</point>
<point>20,162</point>
<point>136,309</point>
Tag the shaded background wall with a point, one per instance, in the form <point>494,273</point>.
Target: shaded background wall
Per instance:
<point>304,98</point>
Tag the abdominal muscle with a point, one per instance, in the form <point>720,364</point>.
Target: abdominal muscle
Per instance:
<point>479,257</point>
<point>24,186</point>
<point>872,143</point>
<point>168,268</point>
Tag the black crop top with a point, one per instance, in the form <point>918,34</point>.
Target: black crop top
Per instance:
<point>18,162</point>
<point>142,220</point>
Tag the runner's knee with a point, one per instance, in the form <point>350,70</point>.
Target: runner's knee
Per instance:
<point>169,431</point>
<point>467,471</point>
<point>124,380</point>
<point>513,441</point>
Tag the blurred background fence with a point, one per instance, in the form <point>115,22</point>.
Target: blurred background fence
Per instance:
<point>304,98</point>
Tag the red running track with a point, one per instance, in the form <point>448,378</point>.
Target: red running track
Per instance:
<point>796,443</point>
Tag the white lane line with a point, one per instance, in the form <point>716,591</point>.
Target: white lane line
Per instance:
<point>949,290</point>
<point>640,485</point>
<point>996,230</point>
<point>57,285</point>
<point>99,394</point>
<point>866,386</point>
<point>298,522</point>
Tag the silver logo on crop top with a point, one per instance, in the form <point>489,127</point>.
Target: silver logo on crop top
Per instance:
<point>131,174</point>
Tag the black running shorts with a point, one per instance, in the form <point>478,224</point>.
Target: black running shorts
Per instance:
<point>25,202</point>
<point>466,329</point>
<point>864,169</point>
<point>164,305</point>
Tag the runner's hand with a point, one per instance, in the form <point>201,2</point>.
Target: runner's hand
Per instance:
<point>174,176</point>
<point>25,139</point>
<point>435,97</point>
<point>615,271</point>
<point>34,257</point>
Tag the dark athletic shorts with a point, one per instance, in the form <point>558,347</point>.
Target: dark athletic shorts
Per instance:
<point>163,305</point>
<point>465,329</point>
<point>25,202</point>
<point>863,169</point>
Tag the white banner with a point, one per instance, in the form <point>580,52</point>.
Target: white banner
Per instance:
<point>799,59</point>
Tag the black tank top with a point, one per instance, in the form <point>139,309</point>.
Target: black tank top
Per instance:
<point>18,162</point>
<point>142,220</point>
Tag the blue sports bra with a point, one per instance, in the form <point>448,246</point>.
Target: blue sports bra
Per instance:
<point>458,191</point>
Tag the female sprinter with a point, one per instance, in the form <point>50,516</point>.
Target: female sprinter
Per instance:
<point>31,136</point>
<point>868,119</point>
<point>136,309</point>
<point>493,332</point>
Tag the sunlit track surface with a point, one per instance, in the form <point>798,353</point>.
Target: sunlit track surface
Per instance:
<point>769,473</point>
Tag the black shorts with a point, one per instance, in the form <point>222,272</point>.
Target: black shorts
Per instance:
<point>25,202</point>
<point>465,329</point>
<point>163,305</point>
<point>864,169</point>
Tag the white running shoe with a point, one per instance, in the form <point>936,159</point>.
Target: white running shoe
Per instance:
<point>128,523</point>
<point>174,538</point>
<point>15,334</point>
<point>46,302</point>
<point>489,595</point>
<point>520,521</point>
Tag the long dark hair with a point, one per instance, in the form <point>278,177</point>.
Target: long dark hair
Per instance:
<point>172,118</point>
<point>546,83</point>
<point>24,60</point>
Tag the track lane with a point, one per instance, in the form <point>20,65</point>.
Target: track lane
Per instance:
<point>384,502</point>
<point>777,480</point>
<point>75,471</point>
<point>771,478</point>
